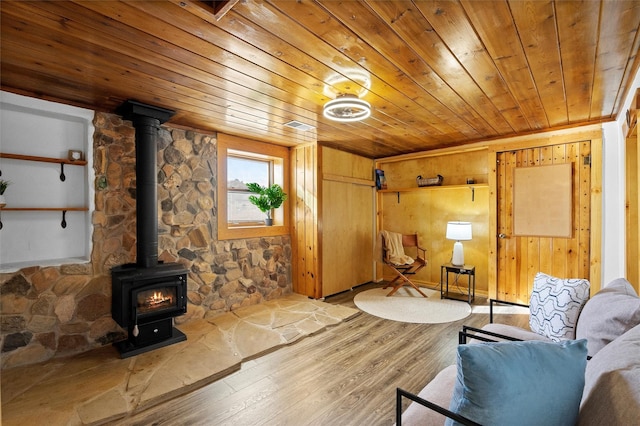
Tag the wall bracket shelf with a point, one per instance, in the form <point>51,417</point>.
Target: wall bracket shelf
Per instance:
<point>64,211</point>
<point>472,187</point>
<point>61,161</point>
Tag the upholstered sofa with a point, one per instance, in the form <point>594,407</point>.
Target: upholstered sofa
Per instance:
<point>609,331</point>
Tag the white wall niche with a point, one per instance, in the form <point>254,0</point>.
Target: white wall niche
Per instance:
<point>34,127</point>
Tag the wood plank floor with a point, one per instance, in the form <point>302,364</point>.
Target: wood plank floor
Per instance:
<point>346,375</point>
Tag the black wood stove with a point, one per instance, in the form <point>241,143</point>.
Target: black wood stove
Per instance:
<point>145,300</point>
<point>147,295</point>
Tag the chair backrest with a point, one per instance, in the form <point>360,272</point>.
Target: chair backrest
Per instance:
<point>410,240</point>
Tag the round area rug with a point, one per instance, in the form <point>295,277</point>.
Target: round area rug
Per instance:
<point>407,305</point>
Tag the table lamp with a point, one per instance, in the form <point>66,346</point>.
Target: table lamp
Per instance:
<point>458,231</point>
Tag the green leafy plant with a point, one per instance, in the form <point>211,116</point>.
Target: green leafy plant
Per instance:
<point>3,186</point>
<point>268,198</point>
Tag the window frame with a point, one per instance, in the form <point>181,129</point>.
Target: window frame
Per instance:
<point>260,150</point>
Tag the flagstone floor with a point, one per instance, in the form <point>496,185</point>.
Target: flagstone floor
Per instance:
<point>98,386</point>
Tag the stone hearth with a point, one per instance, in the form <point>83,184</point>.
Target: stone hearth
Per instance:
<point>97,386</point>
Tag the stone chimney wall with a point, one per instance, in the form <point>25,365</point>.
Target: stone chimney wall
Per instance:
<point>57,311</point>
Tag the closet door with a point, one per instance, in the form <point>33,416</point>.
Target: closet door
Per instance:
<point>346,222</point>
<point>520,257</point>
<point>347,244</point>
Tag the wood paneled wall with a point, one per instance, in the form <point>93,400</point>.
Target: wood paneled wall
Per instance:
<point>304,221</point>
<point>426,211</point>
<point>633,201</point>
<point>406,208</point>
<point>456,167</point>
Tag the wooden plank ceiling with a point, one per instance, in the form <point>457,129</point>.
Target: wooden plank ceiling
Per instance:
<point>437,73</point>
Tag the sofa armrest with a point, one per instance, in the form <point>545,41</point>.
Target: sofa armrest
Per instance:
<point>502,302</point>
<point>482,335</point>
<point>430,405</point>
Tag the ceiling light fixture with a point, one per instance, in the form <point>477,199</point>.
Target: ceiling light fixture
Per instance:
<point>347,108</point>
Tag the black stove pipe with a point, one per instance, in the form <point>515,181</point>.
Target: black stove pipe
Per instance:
<point>146,119</point>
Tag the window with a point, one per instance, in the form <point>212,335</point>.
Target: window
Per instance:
<point>243,168</point>
<point>241,161</point>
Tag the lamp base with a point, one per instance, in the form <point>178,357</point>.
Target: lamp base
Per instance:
<point>458,254</point>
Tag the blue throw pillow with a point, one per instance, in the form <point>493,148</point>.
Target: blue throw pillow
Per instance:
<point>520,383</point>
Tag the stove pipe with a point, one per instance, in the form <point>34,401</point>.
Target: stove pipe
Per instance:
<point>146,120</point>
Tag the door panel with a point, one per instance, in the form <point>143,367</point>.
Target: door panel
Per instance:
<point>521,257</point>
<point>347,229</point>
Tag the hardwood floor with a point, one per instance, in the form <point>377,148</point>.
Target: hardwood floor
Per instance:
<point>346,375</point>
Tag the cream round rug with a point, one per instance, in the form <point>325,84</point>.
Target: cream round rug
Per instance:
<point>407,305</point>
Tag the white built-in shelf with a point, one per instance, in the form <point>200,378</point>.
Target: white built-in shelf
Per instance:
<point>62,162</point>
<point>42,159</point>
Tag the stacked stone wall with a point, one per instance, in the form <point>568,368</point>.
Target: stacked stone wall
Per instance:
<point>56,311</point>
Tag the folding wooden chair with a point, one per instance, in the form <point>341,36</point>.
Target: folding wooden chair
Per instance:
<point>419,262</point>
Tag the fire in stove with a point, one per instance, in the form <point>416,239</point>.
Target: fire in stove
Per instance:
<point>153,300</point>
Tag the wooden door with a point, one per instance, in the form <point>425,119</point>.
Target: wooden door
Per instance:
<point>347,221</point>
<point>519,258</point>
<point>347,236</point>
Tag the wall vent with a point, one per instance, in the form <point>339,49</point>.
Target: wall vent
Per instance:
<point>299,126</point>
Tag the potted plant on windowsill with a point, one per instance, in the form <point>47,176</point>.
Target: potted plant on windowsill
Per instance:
<point>268,198</point>
<point>3,187</point>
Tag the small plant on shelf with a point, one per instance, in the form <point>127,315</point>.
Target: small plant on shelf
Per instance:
<point>3,187</point>
<point>268,198</point>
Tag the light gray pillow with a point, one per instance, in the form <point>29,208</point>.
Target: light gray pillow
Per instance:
<point>612,384</point>
<point>608,314</point>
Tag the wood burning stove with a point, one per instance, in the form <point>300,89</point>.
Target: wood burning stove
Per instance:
<point>147,295</point>
<point>144,302</point>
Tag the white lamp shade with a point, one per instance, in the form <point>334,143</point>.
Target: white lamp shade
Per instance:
<point>459,231</point>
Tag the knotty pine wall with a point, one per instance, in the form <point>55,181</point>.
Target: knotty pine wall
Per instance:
<point>405,208</point>
<point>633,203</point>
<point>304,193</point>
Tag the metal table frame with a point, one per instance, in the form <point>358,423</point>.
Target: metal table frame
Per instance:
<point>468,270</point>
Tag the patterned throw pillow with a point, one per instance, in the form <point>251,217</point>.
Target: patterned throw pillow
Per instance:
<point>556,304</point>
